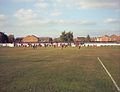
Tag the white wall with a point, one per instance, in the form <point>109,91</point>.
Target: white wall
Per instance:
<point>6,44</point>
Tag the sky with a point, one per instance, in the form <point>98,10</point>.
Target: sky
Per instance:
<point>49,18</point>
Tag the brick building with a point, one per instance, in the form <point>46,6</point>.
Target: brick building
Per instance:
<point>30,39</point>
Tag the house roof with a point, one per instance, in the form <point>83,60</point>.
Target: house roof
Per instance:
<point>31,36</point>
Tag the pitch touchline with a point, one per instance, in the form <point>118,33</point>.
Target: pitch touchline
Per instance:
<point>109,74</point>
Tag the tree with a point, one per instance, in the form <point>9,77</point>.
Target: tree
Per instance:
<point>3,38</point>
<point>88,39</point>
<point>66,36</point>
<point>69,36</point>
<point>11,38</point>
<point>63,37</point>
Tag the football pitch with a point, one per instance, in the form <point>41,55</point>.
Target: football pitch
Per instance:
<point>24,69</point>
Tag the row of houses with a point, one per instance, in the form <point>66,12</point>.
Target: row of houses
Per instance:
<point>33,39</point>
<point>105,38</point>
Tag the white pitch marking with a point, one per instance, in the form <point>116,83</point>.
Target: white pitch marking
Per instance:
<point>109,74</point>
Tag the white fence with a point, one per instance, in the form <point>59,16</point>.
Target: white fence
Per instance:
<point>101,44</point>
<point>56,44</point>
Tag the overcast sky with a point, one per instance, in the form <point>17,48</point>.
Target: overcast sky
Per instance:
<point>51,17</point>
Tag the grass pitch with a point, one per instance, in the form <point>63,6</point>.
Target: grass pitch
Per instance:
<point>56,70</point>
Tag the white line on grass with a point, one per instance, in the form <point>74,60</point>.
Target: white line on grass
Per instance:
<point>109,74</point>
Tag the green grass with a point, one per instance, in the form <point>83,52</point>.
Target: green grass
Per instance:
<point>56,70</point>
